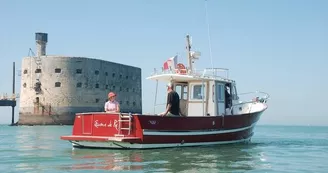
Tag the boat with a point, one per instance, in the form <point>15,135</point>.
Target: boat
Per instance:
<point>214,113</point>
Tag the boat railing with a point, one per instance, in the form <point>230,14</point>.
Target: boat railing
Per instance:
<point>252,97</point>
<point>210,73</point>
<point>10,97</point>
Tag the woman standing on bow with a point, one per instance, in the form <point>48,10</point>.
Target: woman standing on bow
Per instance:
<point>112,106</point>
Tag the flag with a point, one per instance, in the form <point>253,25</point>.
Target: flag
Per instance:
<point>171,63</point>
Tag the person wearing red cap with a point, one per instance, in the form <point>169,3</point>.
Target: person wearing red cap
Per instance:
<point>112,105</point>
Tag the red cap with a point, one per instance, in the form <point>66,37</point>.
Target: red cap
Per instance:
<point>111,94</point>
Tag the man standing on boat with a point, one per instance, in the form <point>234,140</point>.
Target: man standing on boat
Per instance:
<point>173,102</point>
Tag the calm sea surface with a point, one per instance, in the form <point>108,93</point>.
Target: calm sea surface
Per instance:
<point>273,149</point>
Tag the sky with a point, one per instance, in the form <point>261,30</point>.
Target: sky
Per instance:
<point>276,46</point>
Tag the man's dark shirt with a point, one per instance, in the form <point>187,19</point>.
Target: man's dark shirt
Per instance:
<point>174,100</point>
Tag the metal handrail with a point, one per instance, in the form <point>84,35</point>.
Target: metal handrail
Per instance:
<point>206,73</point>
<point>267,96</point>
<point>263,99</point>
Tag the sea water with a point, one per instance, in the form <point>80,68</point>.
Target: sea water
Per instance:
<point>291,149</point>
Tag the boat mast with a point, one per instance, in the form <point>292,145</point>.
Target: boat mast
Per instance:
<point>188,47</point>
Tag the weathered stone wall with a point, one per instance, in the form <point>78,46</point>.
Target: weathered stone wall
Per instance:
<point>74,84</point>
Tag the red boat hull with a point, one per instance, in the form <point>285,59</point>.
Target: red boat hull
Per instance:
<point>102,130</point>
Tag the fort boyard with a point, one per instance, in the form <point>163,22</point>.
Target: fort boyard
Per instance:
<point>55,88</point>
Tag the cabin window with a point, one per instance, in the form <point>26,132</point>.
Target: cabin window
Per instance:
<point>38,70</point>
<point>25,71</point>
<point>197,92</point>
<point>96,72</point>
<point>178,89</point>
<point>234,95</point>
<point>79,85</point>
<point>57,84</point>
<point>78,71</point>
<point>57,70</point>
<point>182,90</point>
<point>220,91</point>
<point>185,93</point>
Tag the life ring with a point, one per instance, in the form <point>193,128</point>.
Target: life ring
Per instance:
<point>181,69</point>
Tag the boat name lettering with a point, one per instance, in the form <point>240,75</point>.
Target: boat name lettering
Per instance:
<point>100,124</point>
<point>152,122</point>
<point>115,124</point>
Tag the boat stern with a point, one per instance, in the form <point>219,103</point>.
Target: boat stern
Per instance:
<point>103,129</point>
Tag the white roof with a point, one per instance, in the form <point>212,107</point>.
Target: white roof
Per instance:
<point>170,75</point>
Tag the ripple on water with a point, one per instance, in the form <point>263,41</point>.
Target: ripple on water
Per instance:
<point>39,149</point>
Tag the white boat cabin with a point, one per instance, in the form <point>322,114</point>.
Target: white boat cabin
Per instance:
<point>201,94</point>
<point>204,93</point>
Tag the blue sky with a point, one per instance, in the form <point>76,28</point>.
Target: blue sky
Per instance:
<point>277,46</point>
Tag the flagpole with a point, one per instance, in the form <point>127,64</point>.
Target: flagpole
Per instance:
<point>188,53</point>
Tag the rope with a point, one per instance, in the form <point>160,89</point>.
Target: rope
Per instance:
<point>208,35</point>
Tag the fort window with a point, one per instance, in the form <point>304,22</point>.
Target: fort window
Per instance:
<point>113,75</point>
<point>97,85</point>
<point>134,103</point>
<point>25,71</point>
<point>78,71</point>
<point>57,70</point>
<point>106,73</point>
<point>57,84</point>
<point>97,100</point>
<point>37,100</point>
<point>96,72</point>
<point>106,86</point>
<point>120,88</point>
<point>120,76</point>
<point>120,102</point>
<point>24,85</point>
<point>127,89</point>
<point>126,77</point>
<point>37,70</point>
<point>79,85</point>
<point>127,103</point>
<point>113,87</point>
<point>133,89</point>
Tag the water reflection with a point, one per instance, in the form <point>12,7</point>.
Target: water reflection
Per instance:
<point>105,160</point>
<point>194,159</point>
